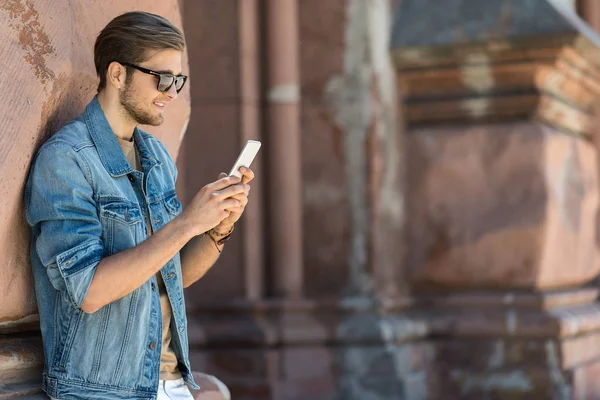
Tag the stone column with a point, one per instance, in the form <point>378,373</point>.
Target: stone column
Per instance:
<point>283,149</point>
<point>250,129</point>
<point>502,212</point>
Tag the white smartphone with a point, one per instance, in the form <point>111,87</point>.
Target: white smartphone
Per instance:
<point>246,157</point>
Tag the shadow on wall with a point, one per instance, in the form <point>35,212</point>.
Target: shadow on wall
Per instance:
<point>70,94</point>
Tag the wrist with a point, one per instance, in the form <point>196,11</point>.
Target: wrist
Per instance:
<point>220,237</point>
<point>187,227</point>
<point>223,230</point>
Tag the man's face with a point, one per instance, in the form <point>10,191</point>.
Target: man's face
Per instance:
<point>140,99</point>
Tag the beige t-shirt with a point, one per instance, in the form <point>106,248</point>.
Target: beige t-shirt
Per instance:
<point>168,359</point>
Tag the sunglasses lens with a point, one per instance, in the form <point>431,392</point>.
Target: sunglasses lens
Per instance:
<point>179,82</point>
<point>165,82</point>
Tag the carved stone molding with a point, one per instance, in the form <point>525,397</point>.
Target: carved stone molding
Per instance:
<point>502,69</point>
<point>570,89</point>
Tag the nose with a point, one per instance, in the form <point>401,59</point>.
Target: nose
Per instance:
<point>172,92</point>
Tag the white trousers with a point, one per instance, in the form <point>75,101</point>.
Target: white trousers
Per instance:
<point>174,390</point>
<point>171,390</point>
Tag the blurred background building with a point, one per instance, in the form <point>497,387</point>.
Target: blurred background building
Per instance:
<point>424,221</point>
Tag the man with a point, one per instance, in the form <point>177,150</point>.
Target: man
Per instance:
<point>107,228</point>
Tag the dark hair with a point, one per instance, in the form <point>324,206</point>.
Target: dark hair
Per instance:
<point>129,37</point>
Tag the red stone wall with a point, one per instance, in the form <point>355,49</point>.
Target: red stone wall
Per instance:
<point>327,219</point>
<point>477,191</point>
<point>213,140</point>
<point>215,131</point>
<point>47,78</point>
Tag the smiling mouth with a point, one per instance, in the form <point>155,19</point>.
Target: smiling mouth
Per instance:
<point>160,106</point>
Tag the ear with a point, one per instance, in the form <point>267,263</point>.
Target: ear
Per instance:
<point>116,74</point>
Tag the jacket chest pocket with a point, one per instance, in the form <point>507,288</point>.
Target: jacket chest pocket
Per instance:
<point>122,224</point>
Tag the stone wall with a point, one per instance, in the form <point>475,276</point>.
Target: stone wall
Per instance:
<point>47,78</point>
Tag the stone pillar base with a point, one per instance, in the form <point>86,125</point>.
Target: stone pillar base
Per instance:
<point>353,349</point>
<point>21,364</point>
<point>516,346</point>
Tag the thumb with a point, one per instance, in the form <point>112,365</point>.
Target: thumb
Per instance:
<point>222,175</point>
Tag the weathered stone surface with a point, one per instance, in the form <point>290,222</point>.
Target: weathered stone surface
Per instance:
<point>360,101</point>
<point>209,145</point>
<point>23,391</point>
<point>47,79</point>
<point>298,350</point>
<point>326,206</point>
<point>509,369</point>
<point>21,359</point>
<point>513,344</point>
<point>213,34</point>
<point>504,68</point>
<point>517,321</point>
<point>525,300</point>
<point>226,107</point>
<point>571,89</point>
<point>322,372</point>
<point>418,24</point>
<point>506,205</point>
<point>502,205</point>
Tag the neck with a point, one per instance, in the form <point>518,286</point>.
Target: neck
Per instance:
<point>121,126</point>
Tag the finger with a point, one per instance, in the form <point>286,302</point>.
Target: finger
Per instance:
<point>236,210</point>
<point>239,197</point>
<point>224,182</point>
<point>222,175</point>
<point>230,191</point>
<point>247,174</point>
<point>245,193</point>
<point>235,214</point>
<point>242,198</point>
<point>229,204</point>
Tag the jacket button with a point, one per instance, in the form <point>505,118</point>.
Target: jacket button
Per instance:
<point>131,178</point>
<point>153,286</point>
<point>152,345</point>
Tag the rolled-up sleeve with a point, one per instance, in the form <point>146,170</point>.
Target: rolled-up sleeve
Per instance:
<point>62,213</point>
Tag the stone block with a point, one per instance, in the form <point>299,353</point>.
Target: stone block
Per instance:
<point>509,205</point>
<point>304,363</point>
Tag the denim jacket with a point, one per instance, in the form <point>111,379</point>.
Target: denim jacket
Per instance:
<point>84,202</point>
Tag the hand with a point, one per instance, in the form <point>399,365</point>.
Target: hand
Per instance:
<point>212,203</point>
<point>236,212</point>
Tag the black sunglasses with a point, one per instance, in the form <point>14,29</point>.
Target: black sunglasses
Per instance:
<point>165,81</point>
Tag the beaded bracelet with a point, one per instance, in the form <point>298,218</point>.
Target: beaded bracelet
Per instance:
<point>224,237</point>
<point>213,232</point>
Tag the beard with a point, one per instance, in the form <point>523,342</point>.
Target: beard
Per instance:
<point>135,110</point>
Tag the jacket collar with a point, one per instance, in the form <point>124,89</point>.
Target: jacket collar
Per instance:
<point>108,147</point>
